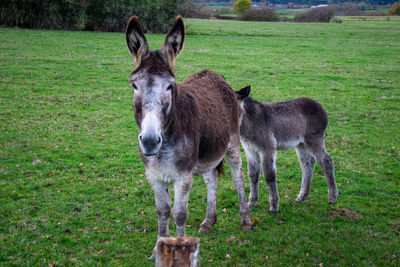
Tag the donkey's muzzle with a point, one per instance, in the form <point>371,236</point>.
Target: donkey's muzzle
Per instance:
<point>150,143</point>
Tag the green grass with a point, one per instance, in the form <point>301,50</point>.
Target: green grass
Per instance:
<point>65,99</point>
<point>228,15</point>
<point>370,18</point>
<point>215,7</point>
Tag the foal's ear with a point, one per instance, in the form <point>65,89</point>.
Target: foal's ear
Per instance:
<point>243,93</point>
<point>136,40</point>
<point>173,43</point>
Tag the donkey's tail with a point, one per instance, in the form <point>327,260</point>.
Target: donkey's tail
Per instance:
<point>220,168</point>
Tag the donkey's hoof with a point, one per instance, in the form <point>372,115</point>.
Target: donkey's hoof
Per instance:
<point>204,229</point>
<point>272,212</point>
<point>300,199</point>
<point>153,255</point>
<point>333,197</point>
<point>251,204</point>
<point>332,201</point>
<point>247,227</point>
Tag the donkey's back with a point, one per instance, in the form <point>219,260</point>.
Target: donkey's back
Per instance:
<point>302,120</point>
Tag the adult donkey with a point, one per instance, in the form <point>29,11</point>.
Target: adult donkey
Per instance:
<point>185,129</point>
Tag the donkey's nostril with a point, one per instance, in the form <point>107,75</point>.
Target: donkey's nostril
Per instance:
<point>159,140</point>
<point>140,137</point>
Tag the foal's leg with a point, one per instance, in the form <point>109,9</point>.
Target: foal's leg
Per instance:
<point>234,160</point>
<point>269,172</point>
<point>180,210</point>
<point>307,163</point>
<point>211,180</point>
<point>253,167</point>
<point>326,163</point>
<point>163,203</point>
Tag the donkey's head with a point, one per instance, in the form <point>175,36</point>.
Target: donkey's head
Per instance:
<point>153,82</point>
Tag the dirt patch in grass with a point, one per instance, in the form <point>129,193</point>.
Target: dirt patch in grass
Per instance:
<point>344,213</point>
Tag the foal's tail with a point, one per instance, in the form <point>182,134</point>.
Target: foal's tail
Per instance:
<point>220,168</point>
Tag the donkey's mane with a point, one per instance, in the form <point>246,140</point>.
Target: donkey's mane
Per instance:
<point>199,114</point>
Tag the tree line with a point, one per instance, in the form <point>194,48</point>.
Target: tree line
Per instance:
<point>98,15</point>
<point>309,2</point>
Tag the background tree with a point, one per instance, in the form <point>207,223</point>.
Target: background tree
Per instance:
<point>260,14</point>
<point>99,15</point>
<point>395,9</point>
<point>319,14</point>
<point>241,6</point>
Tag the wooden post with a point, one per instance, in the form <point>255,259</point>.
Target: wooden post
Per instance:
<point>178,251</point>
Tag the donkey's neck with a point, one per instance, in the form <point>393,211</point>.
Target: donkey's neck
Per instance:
<point>182,121</point>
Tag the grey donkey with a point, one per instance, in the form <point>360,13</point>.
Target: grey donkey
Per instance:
<point>266,127</point>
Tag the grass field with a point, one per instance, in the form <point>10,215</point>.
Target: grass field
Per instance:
<point>72,190</point>
<point>371,18</point>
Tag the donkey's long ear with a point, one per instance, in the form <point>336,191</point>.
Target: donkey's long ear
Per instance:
<point>136,40</point>
<point>243,93</point>
<point>173,43</point>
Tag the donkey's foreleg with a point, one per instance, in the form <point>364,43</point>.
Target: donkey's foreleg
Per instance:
<point>253,167</point>
<point>307,163</point>
<point>211,180</point>
<point>235,162</point>
<point>269,172</point>
<point>163,203</point>
<point>180,209</point>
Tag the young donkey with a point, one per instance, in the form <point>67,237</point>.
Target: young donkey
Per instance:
<point>185,129</point>
<point>264,128</point>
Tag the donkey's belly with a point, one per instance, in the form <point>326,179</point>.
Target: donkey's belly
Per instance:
<point>289,143</point>
<point>205,166</point>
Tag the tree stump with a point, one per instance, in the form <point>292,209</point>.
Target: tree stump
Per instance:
<point>178,251</point>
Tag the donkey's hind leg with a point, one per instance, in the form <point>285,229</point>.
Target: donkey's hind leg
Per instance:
<point>326,163</point>
<point>307,163</point>
<point>211,180</point>
<point>235,162</point>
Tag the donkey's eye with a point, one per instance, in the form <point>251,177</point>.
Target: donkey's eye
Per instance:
<point>170,87</point>
<point>134,86</point>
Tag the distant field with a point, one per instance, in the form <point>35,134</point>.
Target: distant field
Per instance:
<point>371,18</point>
<point>214,7</point>
<point>72,189</point>
<point>228,15</point>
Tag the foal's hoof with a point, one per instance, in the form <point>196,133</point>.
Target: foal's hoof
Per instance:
<point>333,197</point>
<point>251,204</point>
<point>332,201</point>
<point>272,212</point>
<point>300,199</point>
<point>204,229</point>
<point>247,227</point>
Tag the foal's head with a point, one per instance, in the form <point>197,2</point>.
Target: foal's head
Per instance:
<point>153,82</point>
